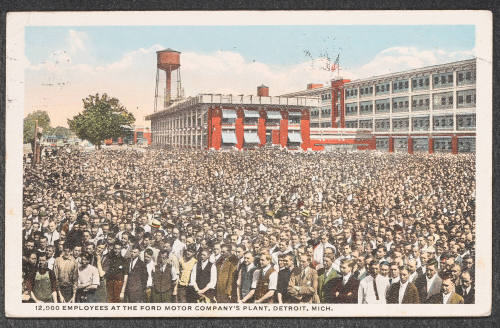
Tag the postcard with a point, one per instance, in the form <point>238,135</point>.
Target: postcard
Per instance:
<point>249,164</point>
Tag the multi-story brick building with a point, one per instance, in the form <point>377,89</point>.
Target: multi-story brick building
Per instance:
<point>215,121</point>
<point>430,109</point>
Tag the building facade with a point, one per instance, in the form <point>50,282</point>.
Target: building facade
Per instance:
<point>215,121</point>
<point>431,109</point>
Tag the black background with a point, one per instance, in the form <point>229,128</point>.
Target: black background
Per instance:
<point>155,5</point>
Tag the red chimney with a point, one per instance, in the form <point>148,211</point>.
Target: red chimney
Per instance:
<point>314,86</point>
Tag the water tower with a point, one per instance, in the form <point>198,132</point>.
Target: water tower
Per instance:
<point>168,60</point>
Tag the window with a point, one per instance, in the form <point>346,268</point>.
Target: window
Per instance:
<point>382,125</point>
<point>400,104</point>
<point>420,123</point>
<point>366,124</point>
<point>400,86</point>
<point>400,124</point>
<point>382,106</point>
<point>351,124</point>
<point>382,144</point>
<point>382,88</point>
<point>466,145</point>
<point>442,145</point>
<point>366,108</point>
<point>466,122</point>
<point>351,93</point>
<point>420,144</point>
<point>443,80</point>
<point>351,109</point>
<point>444,122</point>
<point>466,98</point>
<point>443,100</point>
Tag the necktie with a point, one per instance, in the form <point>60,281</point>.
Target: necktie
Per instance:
<point>390,281</point>
<point>375,289</point>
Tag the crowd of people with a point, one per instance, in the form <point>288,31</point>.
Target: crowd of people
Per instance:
<point>260,226</point>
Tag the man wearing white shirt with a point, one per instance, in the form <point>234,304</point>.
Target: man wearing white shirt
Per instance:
<point>346,254</point>
<point>52,234</point>
<point>373,288</point>
<point>204,278</point>
<point>264,282</point>
<point>178,246</point>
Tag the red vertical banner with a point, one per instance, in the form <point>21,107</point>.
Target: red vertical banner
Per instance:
<point>431,145</point>
<point>410,145</point>
<point>284,129</point>
<point>261,129</point>
<point>454,145</point>
<point>239,128</point>
<point>391,145</point>
<point>305,129</point>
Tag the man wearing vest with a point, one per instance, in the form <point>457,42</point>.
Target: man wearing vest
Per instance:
<point>245,276</point>
<point>326,277</point>
<point>264,282</point>
<point>186,265</point>
<point>204,279</point>
<point>164,280</point>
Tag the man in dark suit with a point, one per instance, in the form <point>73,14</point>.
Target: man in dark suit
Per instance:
<point>345,289</point>
<point>447,294</point>
<point>135,290</point>
<point>466,288</point>
<point>403,291</point>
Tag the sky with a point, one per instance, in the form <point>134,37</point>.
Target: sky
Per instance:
<point>65,64</point>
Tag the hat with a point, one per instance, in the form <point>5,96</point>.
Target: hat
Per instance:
<point>156,224</point>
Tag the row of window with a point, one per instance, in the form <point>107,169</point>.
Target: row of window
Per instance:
<point>444,100</point>
<point>441,144</point>
<point>464,122</point>
<point>441,80</point>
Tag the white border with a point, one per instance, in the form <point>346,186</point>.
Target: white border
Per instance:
<point>16,23</point>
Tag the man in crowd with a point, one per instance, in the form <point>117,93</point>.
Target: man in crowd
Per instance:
<point>345,288</point>
<point>66,272</point>
<point>137,278</point>
<point>204,278</point>
<point>264,282</point>
<point>41,283</point>
<point>384,210</point>
<point>303,284</point>
<point>403,291</point>
<point>373,288</point>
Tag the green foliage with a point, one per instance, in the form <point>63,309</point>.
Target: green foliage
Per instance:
<point>102,118</point>
<point>29,124</point>
<point>58,131</point>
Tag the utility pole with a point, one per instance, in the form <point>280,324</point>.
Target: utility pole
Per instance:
<point>36,148</point>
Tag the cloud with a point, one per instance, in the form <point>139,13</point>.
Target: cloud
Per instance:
<point>397,59</point>
<point>58,85</point>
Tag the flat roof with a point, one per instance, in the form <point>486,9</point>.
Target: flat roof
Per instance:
<point>240,100</point>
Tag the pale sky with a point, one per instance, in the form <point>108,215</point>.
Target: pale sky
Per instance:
<point>66,64</point>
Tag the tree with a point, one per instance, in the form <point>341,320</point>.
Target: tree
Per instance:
<point>29,124</point>
<point>102,118</point>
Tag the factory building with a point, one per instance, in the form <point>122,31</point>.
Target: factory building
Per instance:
<point>430,109</point>
<point>216,121</point>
